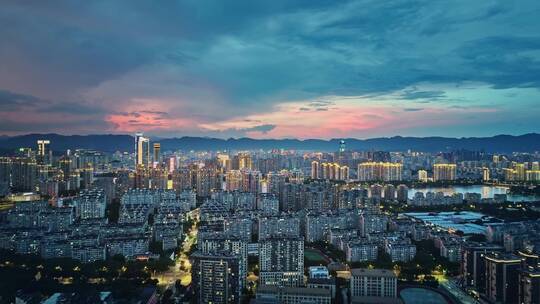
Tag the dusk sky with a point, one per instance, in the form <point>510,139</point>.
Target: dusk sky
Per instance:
<point>270,69</point>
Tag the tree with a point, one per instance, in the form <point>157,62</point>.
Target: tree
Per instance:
<point>477,238</point>
<point>430,281</point>
<point>384,260</point>
<point>156,247</point>
<point>113,211</point>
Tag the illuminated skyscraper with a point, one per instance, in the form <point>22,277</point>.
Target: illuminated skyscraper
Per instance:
<point>44,154</point>
<point>444,172</point>
<point>215,277</point>
<point>142,150</point>
<point>244,161</point>
<point>43,147</point>
<point>502,277</point>
<point>520,172</point>
<point>485,174</point>
<point>380,171</point>
<point>315,170</point>
<point>342,146</point>
<point>422,176</point>
<point>157,153</point>
<point>343,173</point>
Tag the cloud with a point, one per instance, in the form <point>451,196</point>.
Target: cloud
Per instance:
<point>262,128</point>
<point>429,95</point>
<point>14,101</point>
<point>177,67</point>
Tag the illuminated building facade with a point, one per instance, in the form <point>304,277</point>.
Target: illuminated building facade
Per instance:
<point>444,172</point>
<point>142,150</point>
<point>380,171</point>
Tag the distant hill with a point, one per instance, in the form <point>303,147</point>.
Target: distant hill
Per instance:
<point>106,142</point>
<point>111,143</point>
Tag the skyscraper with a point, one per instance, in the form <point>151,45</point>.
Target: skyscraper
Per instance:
<point>24,174</point>
<point>342,146</point>
<point>215,277</point>
<point>281,261</point>
<point>44,154</point>
<point>91,204</point>
<point>373,285</point>
<point>422,176</point>
<point>380,171</point>
<point>444,172</point>
<point>402,193</point>
<point>157,153</point>
<point>529,285</point>
<point>315,170</point>
<point>142,150</point>
<point>485,174</point>
<point>502,278</point>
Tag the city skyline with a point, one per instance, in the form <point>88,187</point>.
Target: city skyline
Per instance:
<point>270,152</point>
<point>286,69</point>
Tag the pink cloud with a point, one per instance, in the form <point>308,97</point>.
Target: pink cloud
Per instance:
<point>346,118</point>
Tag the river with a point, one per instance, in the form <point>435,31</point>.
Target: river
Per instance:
<point>485,191</point>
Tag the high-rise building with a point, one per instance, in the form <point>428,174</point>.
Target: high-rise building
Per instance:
<point>532,175</point>
<point>281,261</point>
<point>91,204</point>
<point>444,172</point>
<point>502,279</point>
<point>343,173</point>
<point>373,286</point>
<point>485,174</point>
<point>380,171</point>
<point>5,171</point>
<point>473,265</point>
<point>215,277</point>
<point>422,176</point>
<point>206,180</point>
<point>44,153</point>
<point>279,226</point>
<point>24,174</point>
<point>402,193</point>
<point>142,150</point>
<point>529,285</point>
<point>376,191</point>
<point>242,161</point>
<point>251,180</point>
<point>331,171</point>
<point>315,170</point>
<point>342,146</point>
<point>157,153</point>
<point>389,192</point>
<point>222,242</point>
<point>520,172</point>
<point>268,204</point>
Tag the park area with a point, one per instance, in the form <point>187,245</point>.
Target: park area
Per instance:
<point>314,257</point>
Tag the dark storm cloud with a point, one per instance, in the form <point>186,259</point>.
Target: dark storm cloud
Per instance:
<point>20,102</point>
<point>504,61</point>
<point>13,101</point>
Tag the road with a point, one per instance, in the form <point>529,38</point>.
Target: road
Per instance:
<point>181,270</point>
<point>457,292</point>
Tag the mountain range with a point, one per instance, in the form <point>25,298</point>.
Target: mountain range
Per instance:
<point>111,143</point>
